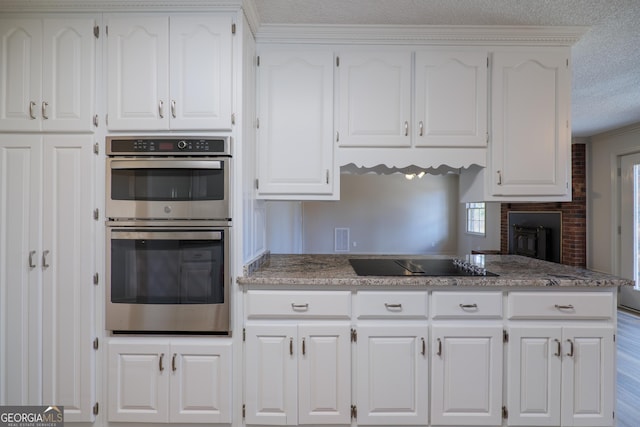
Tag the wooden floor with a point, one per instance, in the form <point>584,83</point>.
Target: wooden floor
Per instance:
<point>628,340</point>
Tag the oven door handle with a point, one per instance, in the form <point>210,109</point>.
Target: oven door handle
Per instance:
<point>166,235</point>
<point>165,164</point>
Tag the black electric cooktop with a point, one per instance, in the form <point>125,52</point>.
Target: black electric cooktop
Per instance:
<point>415,267</point>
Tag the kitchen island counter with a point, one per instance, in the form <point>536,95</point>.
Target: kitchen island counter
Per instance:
<point>512,271</point>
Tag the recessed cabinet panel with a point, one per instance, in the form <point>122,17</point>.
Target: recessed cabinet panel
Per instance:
<point>530,154</point>
<point>138,383</point>
<point>450,99</point>
<point>271,375</point>
<point>21,76</point>
<point>201,87</point>
<point>67,269</point>
<point>20,281</point>
<point>295,110</point>
<point>375,99</point>
<point>48,74</point>
<point>324,383</point>
<point>466,386</point>
<point>588,376</point>
<point>534,372</point>
<point>392,363</point>
<point>201,383</point>
<point>138,73</point>
<point>68,75</point>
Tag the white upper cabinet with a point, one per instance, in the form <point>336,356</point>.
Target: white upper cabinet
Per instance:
<point>47,81</point>
<point>531,147</point>
<point>450,98</point>
<point>169,72</point>
<point>295,113</point>
<point>374,98</point>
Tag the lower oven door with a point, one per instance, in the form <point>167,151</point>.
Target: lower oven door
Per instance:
<point>167,280</point>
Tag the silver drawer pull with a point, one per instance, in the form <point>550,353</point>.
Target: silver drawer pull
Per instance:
<point>392,306</point>
<point>295,306</point>
<point>468,306</point>
<point>564,307</point>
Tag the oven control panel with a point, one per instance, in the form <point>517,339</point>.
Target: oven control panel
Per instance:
<point>159,146</point>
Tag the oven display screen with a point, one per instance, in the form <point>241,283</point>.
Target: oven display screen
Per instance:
<point>165,146</point>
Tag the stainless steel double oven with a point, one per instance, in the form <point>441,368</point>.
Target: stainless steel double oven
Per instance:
<point>168,238</point>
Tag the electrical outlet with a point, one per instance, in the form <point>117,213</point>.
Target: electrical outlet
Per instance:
<point>341,240</point>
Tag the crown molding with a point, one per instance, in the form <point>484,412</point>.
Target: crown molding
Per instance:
<point>421,34</point>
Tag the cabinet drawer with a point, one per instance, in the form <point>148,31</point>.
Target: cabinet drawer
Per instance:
<point>452,305</point>
<point>391,304</point>
<point>560,305</point>
<point>299,304</point>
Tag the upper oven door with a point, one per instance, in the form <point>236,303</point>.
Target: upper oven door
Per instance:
<point>168,188</point>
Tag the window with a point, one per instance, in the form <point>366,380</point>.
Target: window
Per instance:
<point>475,218</point>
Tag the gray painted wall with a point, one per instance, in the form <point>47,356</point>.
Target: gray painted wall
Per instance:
<point>385,214</point>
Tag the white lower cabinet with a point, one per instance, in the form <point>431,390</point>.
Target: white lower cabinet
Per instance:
<point>176,381</point>
<point>466,375</point>
<point>393,374</point>
<point>561,376</point>
<point>298,373</point>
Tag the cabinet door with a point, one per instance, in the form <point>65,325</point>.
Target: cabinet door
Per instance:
<point>588,372</point>
<point>138,72</point>
<point>295,109</point>
<point>324,383</point>
<point>138,378</point>
<point>201,70</point>
<point>68,265</point>
<point>392,375</point>
<point>20,270</point>
<point>530,151</point>
<point>271,374</point>
<point>374,100</point>
<point>450,99</point>
<point>20,74</point>
<point>200,385</point>
<point>534,364</point>
<point>68,74</point>
<point>466,386</point>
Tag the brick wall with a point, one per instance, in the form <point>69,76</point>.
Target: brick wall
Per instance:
<point>574,213</point>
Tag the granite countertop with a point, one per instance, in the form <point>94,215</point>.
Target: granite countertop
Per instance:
<point>512,270</point>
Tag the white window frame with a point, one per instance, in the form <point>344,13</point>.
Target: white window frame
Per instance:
<point>479,210</point>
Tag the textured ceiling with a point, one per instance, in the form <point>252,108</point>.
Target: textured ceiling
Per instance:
<point>606,60</point>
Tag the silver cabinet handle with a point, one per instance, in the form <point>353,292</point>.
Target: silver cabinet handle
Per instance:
<point>564,307</point>
<point>173,108</point>
<point>327,174</point>
<point>44,259</point>
<point>161,109</point>
<point>468,306</point>
<point>300,307</point>
<point>31,263</point>
<point>291,346</point>
<point>160,364</point>
<point>392,306</point>
<point>558,348</point>
<point>44,110</point>
<point>32,105</point>
<point>424,347</point>
<point>439,352</point>
<point>304,347</point>
<point>406,128</point>
<point>570,354</point>
<point>173,362</point>
<point>421,127</point>
<point>499,177</point>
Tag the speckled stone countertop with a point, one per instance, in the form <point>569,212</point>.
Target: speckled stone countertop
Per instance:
<point>512,270</point>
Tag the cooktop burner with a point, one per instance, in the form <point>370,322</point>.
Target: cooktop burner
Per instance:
<point>416,267</point>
